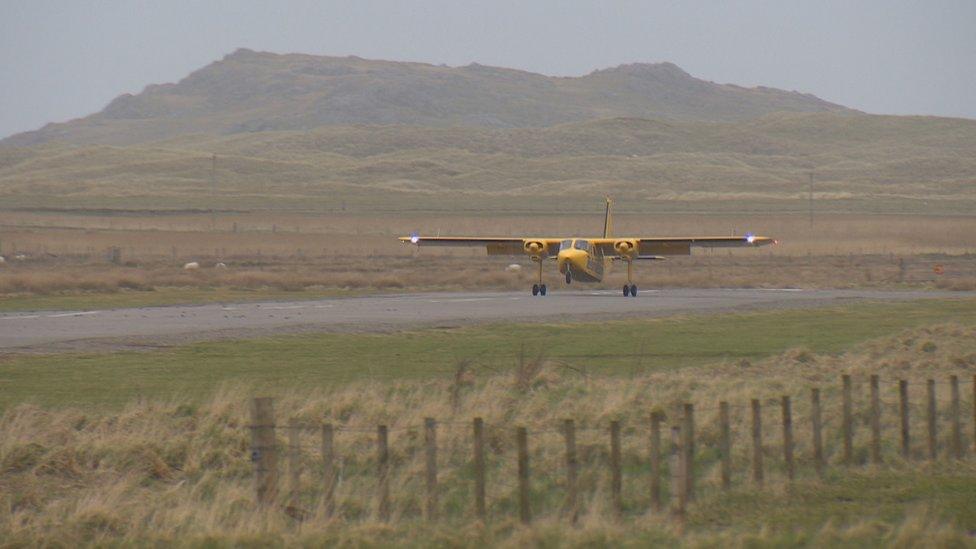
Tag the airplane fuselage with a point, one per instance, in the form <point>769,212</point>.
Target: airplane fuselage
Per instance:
<point>581,261</point>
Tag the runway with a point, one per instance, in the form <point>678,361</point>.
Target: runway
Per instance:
<point>150,326</point>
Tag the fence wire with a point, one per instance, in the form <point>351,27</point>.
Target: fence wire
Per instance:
<point>359,453</point>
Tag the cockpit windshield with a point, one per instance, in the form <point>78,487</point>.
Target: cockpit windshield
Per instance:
<point>565,245</point>
<point>582,245</point>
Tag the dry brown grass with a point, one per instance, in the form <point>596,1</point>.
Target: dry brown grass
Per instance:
<point>151,236</point>
<point>67,253</point>
<point>179,472</point>
<point>69,276</point>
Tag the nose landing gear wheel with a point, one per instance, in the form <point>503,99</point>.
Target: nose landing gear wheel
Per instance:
<point>535,289</point>
<point>626,290</point>
<point>542,290</point>
<point>633,290</point>
<point>569,277</point>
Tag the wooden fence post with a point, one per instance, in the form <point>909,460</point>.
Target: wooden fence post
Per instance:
<point>430,439</point>
<point>875,420</point>
<point>264,451</point>
<point>616,475</point>
<point>906,444</point>
<point>328,468</point>
<point>522,439</point>
<point>848,423</point>
<point>479,468</point>
<point>678,482</point>
<point>572,464</point>
<point>656,460</point>
<point>688,445</point>
<point>294,462</point>
<point>725,443</point>
<point>788,436</point>
<point>931,408</point>
<point>956,435</point>
<point>815,419</point>
<point>383,473</point>
<point>757,450</point>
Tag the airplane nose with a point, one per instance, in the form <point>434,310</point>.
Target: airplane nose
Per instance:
<point>561,259</point>
<point>568,258</point>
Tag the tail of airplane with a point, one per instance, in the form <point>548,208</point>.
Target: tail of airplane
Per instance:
<point>607,221</point>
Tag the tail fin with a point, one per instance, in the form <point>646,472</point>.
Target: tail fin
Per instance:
<point>607,221</point>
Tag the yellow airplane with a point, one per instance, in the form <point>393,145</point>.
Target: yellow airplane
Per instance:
<point>589,259</point>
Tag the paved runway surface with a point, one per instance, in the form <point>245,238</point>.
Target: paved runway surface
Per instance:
<point>42,331</point>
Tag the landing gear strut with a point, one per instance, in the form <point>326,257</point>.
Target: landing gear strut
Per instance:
<point>539,288</point>
<point>630,289</point>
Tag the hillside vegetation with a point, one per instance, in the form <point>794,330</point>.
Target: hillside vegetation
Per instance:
<point>860,162</point>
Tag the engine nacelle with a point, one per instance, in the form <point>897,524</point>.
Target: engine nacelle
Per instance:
<point>625,247</point>
<point>534,248</point>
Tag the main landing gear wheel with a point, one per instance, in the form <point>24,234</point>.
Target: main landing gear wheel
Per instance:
<point>539,288</point>
<point>630,289</point>
<point>569,276</point>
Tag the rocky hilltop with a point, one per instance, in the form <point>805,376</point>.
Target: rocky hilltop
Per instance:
<point>250,91</point>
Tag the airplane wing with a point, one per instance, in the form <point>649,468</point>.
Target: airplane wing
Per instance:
<point>494,245</point>
<point>660,246</point>
<point>646,248</point>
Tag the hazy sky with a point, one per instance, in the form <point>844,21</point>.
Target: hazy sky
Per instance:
<point>65,59</point>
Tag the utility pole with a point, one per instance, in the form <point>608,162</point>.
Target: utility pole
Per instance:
<point>213,192</point>
<point>810,201</point>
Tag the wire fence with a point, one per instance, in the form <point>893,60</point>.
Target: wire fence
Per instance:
<point>452,467</point>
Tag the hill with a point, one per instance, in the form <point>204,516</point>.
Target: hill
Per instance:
<point>249,91</point>
<point>860,162</point>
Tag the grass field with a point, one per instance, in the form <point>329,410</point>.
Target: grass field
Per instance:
<point>621,348</point>
<point>175,469</point>
<point>69,285</point>
<point>157,235</point>
<point>159,433</point>
<point>155,297</point>
<point>281,255</point>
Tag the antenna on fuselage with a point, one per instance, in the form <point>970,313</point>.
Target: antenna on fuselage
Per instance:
<point>607,222</point>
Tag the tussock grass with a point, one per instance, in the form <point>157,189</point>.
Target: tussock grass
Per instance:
<point>179,471</point>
